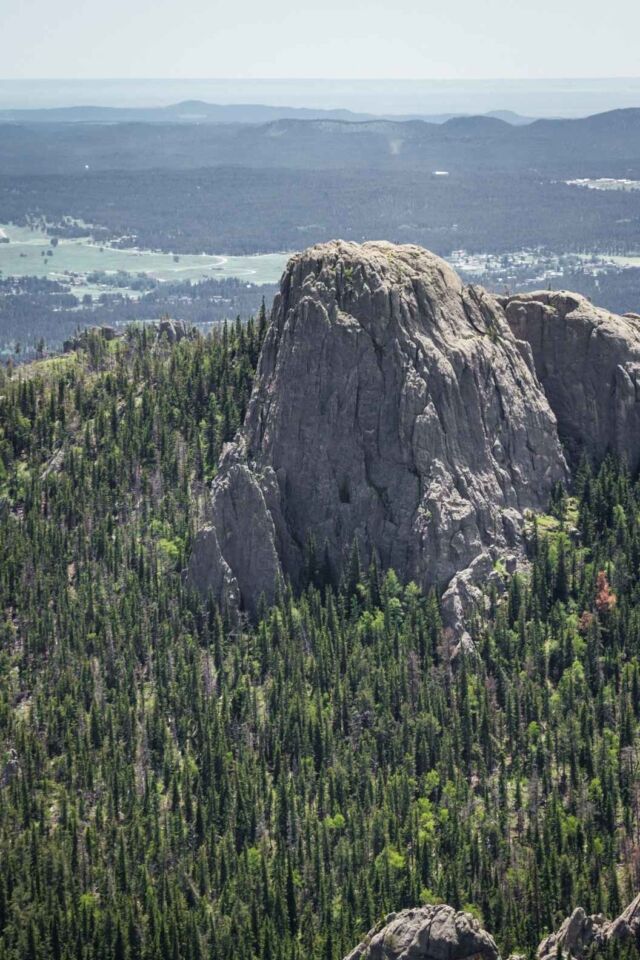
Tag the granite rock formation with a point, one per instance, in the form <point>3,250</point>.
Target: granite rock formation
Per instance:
<point>581,935</point>
<point>441,933</point>
<point>393,406</point>
<point>588,362</point>
<point>578,934</point>
<point>427,933</point>
<point>172,330</point>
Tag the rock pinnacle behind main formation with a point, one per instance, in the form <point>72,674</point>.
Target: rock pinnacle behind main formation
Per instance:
<point>588,362</point>
<point>392,406</point>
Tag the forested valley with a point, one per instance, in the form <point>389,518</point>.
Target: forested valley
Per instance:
<point>38,314</point>
<point>178,783</point>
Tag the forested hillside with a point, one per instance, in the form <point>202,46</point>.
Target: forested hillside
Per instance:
<point>240,210</point>
<point>175,785</point>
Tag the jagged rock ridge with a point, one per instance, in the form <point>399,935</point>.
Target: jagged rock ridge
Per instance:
<point>588,362</point>
<point>391,405</point>
<point>582,935</point>
<point>442,933</point>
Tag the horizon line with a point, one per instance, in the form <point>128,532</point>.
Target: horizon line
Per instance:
<point>245,79</point>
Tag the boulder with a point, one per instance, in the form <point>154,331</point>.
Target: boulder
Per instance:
<point>173,330</point>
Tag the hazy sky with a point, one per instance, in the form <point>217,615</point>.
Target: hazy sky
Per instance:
<point>334,38</point>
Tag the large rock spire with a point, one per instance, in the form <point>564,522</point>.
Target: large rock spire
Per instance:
<point>392,405</point>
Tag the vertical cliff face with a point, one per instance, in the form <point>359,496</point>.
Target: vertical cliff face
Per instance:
<point>588,362</point>
<point>392,405</point>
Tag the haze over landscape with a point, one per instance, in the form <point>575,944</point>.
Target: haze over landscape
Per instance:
<point>537,98</point>
<point>320,481</point>
<point>575,38</point>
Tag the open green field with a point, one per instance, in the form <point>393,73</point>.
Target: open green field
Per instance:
<point>30,253</point>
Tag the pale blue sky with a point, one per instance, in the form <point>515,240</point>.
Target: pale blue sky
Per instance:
<point>335,38</point>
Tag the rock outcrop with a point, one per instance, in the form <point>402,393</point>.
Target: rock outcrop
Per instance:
<point>392,406</point>
<point>577,935</point>
<point>442,933</point>
<point>581,935</point>
<point>427,933</point>
<point>588,362</point>
<point>171,330</point>
<point>626,927</point>
<point>174,330</point>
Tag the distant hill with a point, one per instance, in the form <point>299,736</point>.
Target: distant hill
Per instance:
<point>188,111</point>
<point>198,111</point>
<point>562,148</point>
<point>510,117</point>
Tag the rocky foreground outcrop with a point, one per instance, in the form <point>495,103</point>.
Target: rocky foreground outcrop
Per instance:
<point>442,933</point>
<point>588,362</point>
<point>427,933</point>
<point>582,935</point>
<point>393,406</point>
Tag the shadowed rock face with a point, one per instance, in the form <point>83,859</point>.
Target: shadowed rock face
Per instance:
<point>588,362</point>
<point>391,405</point>
<point>427,933</point>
